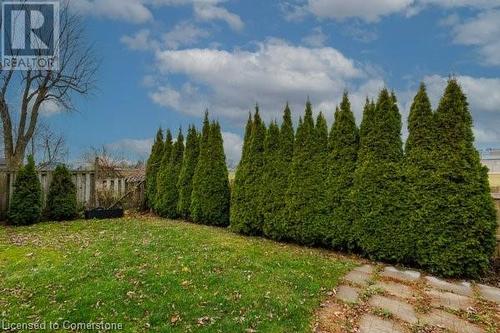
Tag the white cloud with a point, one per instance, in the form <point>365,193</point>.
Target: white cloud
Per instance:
<point>208,11</point>
<point>481,31</point>
<point>316,39</point>
<point>486,136</point>
<point>481,4</point>
<point>229,83</point>
<point>369,11</point>
<point>233,145</point>
<point>184,33</point>
<point>373,10</point>
<point>133,11</point>
<point>141,40</point>
<point>138,11</point>
<point>293,12</point>
<point>50,108</point>
<point>135,148</point>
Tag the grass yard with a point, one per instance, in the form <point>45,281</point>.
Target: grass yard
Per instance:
<point>161,276</point>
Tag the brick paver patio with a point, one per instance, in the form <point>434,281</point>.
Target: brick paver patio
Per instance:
<point>377,299</point>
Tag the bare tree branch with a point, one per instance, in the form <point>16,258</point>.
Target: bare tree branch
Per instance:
<point>75,76</point>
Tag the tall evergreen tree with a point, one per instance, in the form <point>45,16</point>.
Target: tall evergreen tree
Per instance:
<point>247,139</point>
<point>152,167</point>
<point>239,190</point>
<point>210,198</point>
<point>365,129</point>
<point>419,169</point>
<point>161,175</point>
<point>26,203</point>
<point>278,156</point>
<point>189,163</point>
<point>320,177</point>
<point>344,144</point>
<point>460,238</point>
<point>270,177</point>
<point>168,195</point>
<point>305,202</point>
<point>246,210</point>
<point>61,200</point>
<point>378,185</point>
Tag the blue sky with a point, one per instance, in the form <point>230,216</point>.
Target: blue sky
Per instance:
<point>164,61</point>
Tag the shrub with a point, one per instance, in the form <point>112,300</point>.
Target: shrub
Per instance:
<point>61,199</point>
<point>161,176</point>
<point>344,144</point>
<point>419,168</point>
<point>378,186</point>
<point>460,237</point>
<point>168,193</point>
<point>26,202</point>
<point>211,197</point>
<point>185,184</point>
<point>152,167</point>
<point>278,157</point>
<point>246,213</point>
<point>305,198</point>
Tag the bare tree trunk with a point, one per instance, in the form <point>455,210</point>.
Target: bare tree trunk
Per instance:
<point>74,76</point>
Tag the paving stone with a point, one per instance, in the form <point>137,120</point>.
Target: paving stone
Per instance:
<point>401,310</point>
<point>368,269</point>
<point>489,293</point>
<point>463,288</point>
<point>356,277</point>
<point>395,289</point>
<point>348,294</point>
<point>396,274</point>
<point>373,324</point>
<point>451,322</point>
<point>449,300</point>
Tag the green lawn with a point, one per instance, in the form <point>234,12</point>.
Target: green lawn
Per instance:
<point>161,276</point>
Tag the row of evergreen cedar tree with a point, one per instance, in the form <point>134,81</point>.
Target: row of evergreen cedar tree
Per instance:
<point>189,181</point>
<point>26,206</point>
<point>356,190</point>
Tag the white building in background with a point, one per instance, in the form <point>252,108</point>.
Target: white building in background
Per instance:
<point>491,158</point>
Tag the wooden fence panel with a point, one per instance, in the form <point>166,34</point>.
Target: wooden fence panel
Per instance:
<point>85,181</point>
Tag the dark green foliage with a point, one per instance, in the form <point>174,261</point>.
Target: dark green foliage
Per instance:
<point>152,167</point>
<point>26,202</point>
<point>211,197</point>
<point>344,144</point>
<point>61,200</point>
<point>168,193</point>
<point>306,199</point>
<point>161,176</point>
<point>378,186</point>
<point>269,201</point>
<point>278,157</point>
<point>189,163</point>
<point>419,168</point>
<point>365,129</point>
<point>247,139</point>
<point>460,237</point>
<point>246,210</point>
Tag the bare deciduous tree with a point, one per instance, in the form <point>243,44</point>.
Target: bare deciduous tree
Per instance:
<point>29,90</point>
<point>48,147</point>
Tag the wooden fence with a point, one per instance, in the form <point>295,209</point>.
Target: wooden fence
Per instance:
<point>89,184</point>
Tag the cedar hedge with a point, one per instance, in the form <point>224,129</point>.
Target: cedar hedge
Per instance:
<point>26,203</point>
<point>356,190</point>
<point>61,200</point>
